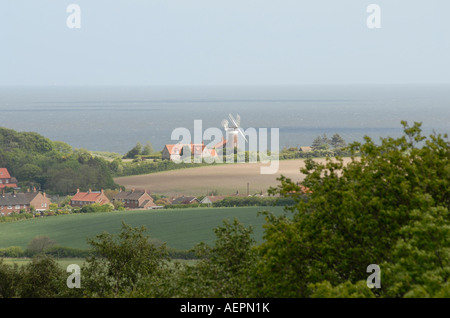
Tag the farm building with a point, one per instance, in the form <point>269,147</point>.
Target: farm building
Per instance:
<point>14,202</point>
<point>6,180</point>
<point>176,151</point>
<point>81,199</point>
<point>135,199</point>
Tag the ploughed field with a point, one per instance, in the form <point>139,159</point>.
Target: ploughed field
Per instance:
<point>179,228</point>
<point>225,178</point>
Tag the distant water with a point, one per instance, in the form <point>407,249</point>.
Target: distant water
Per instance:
<point>115,118</point>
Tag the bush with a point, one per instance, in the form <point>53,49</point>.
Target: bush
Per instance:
<point>63,252</point>
<point>97,207</point>
<point>12,251</point>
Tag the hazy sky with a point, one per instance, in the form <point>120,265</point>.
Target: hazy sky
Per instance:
<point>215,42</point>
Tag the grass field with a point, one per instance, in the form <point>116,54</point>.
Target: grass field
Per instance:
<point>63,262</point>
<point>226,178</point>
<point>179,228</point>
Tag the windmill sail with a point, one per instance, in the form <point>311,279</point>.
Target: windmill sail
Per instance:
<point>233,128</point>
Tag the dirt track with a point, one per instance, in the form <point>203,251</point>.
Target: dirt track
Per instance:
<point>226,179</point>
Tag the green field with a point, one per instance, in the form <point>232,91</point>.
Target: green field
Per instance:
<point>179,228</point>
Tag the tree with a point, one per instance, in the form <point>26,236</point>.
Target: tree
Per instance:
<point>389,206</point>
<point>321,142</point>
<point>29,172</point>
<point>148,149</point>
<point>225,268</point>
<point>39,244</point>
<point>135,151</point>
<point>337,141</point>
<point>120,264</point>
<point>42,278</point>
<point>9,279</point>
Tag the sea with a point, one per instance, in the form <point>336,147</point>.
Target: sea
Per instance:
<point>115,118</point>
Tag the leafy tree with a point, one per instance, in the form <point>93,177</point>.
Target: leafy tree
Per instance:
<point>321,142</point>
<point>135,151</point>
<point>9,279</point>
<point>225,268</point>
<point>62,147</point>
<point>120,263</point>
<point>42,278</point>
<point>337,141</point>
<point>391,203</point>
<point>29,172</point>
<point>39,244</point>
<point>148,148</point>
<point>420,265</point>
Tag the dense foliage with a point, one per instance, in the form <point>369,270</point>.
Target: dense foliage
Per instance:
<point>53,167</point>
<point>388,207</point>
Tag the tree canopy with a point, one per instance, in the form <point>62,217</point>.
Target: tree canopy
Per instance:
<point>51,166</point>
<point>389,206</point>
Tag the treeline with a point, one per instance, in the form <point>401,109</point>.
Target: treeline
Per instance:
<point>52,166</point>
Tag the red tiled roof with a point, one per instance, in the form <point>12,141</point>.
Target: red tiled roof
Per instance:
<point>4,174</point>
<point>221,143</point>
<point>175,149</point>
<point>86,196</point>
<point>9,185</point>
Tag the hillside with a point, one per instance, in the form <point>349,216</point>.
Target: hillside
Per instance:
<point>52,166</point>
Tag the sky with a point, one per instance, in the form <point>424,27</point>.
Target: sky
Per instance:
<point>223,42</point>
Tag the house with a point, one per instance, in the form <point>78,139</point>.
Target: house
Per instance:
<point>81,199</point>
<point>6,180</point>
<point>135,199</point>
<point>212,198</point>
<point>220,144</point>
<point>303,190</point>
<point>176,151</point>
<point>14,202</point>
<point>184,200</point>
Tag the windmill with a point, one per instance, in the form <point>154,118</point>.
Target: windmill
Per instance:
<point>233,129</point>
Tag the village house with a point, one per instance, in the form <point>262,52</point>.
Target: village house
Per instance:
<point>305,149</point>
<point>176,151</point>
<point>6,180</point>
<point>184,200</point>
<point>212,199</point>
<point>81,199</point>
<point>135,199</point>
<point>15,202</point>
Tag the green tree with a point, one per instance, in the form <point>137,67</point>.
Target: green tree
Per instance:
<point>321,142</point>
<point>39,244</point>
<point>29,172</point>
<point>337,141</point>
<point>148,148</point>
<point>225,268</point>
<point>120,264</point>
<point>42,278</point>
<point>9,279</point>
<point>135,151</point>
<point>363,213</point>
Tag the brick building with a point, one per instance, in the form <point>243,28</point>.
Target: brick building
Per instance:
<point>6,180</point>
<point>81,199</point>
<point>14,202</point>
<point>135,199</point>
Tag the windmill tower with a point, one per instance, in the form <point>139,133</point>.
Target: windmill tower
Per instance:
<point>233,129</point>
